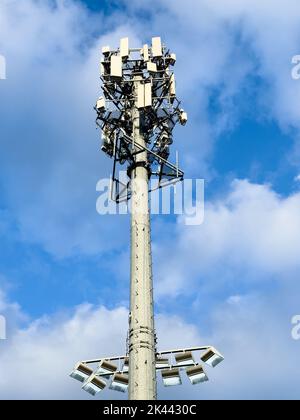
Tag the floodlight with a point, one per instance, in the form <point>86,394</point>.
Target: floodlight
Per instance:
<point>161,363</point>
<point>196,374</point>
<point>171,377</point>
<point>119,382</point>
<point>212,357</point>
<point>156,47</point>
<point>124,48</point>
<point>125,365</point>
<point>94,385</point>
<point>184,358</point>
<point>101,104</point>
<point>151,67</point>
<point>81,372</point>
<point>106,368</point>
<point>116,66</point>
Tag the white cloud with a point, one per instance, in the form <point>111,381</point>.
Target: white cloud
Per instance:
<point>48,125</point>
<point>53,63</point>
<point>254,335</point>
<point>267,35</point>
<point>252,233</point>
<point>36,359</point>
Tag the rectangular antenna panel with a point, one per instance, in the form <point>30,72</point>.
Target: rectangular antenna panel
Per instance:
<point>148,94</point>
<point>151,67</point>
<point>124,48</point>
<point>144,95</point>
<point>116,66</point>
<point>156,47</point>
<point>172,85</point>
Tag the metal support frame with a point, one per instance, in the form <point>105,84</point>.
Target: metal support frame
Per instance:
<point>136,392</point>
<point>167,173</point>
<point>158,353</point>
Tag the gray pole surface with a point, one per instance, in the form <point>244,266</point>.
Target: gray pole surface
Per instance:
<point>142,374</point>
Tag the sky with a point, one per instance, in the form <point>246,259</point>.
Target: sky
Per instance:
<point>231,282</point>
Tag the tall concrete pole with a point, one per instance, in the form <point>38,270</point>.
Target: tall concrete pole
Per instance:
<point>139,107</point>
<point>142,374</point>
<point>153,95</point>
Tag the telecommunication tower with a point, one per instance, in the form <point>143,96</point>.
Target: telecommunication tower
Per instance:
<point>137,114</point>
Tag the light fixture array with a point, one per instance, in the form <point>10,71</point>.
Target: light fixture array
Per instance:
<point>170,363</point>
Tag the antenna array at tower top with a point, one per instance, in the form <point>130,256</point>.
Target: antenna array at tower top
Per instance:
<point>138,78</point>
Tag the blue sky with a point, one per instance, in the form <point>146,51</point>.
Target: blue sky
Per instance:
<point>233,281</point>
